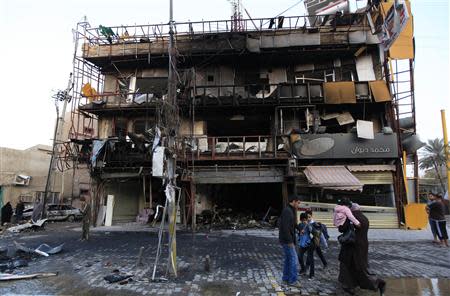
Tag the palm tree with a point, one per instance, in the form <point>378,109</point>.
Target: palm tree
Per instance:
<point>434,157</point>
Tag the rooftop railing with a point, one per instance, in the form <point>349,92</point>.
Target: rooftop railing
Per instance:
<point>154,32</point>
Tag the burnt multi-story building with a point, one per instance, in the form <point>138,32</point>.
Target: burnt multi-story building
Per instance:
<point>264,107</point>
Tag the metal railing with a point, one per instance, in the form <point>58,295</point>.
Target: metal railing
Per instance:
<point>154,32</point>
<point>227,94</point>
<point>304,92</point>
<point>231,147</point>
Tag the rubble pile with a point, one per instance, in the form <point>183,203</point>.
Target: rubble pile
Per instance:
<point>226,218</point>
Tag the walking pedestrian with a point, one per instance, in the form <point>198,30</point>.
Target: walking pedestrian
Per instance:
<point>431,199</point>
<point>304,241</point>
<point>7,212</point>
<point>287,239</point>
<point>437,219</point>
<point>86,212</point>
<point>352,256</point>
<point>317,237</point>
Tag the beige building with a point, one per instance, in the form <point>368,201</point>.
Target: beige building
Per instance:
<point>23,174</point>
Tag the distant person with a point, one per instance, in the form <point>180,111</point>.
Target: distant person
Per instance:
<point>286,236</point>
<point>437,218</point>
<point>352,257</point>
<point>86,220</point>
<point>7,212</point>
<point>20,207</point>
<point>432,199</point>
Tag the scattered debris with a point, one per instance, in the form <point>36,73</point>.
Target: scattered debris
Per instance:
<point>49,250</point>
<point>227,219</point>
<point>10,277</point>
<point>12,264</point>
<point>160,280</point>
<point>115,277</point>
<point>19,228</point>
<point>43,249</point>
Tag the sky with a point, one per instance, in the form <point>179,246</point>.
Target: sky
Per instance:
<point>37,47</point>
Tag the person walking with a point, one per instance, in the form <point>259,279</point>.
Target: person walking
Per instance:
<point>20,207</point>
<point>7,212</point>
<point>437,219</point>
<point>304,241</point>
<point>431,199</point>
<point>353,259</point>
<point>286,236</point>
<point>362,235</point>
<point>319,239</point>
<point>86,212</point>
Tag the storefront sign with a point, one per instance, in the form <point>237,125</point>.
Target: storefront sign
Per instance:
<point>339,146</point>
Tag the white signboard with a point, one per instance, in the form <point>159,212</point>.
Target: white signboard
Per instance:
<point>364,129</point>
<point>394,23</point>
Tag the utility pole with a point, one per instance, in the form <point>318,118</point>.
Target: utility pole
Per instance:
<point>59,125</point>
<point>171,122</point>
<point>446,148</point>
<point>173,131</point>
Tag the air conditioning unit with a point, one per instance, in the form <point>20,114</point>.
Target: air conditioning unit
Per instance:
<point>22,180</point>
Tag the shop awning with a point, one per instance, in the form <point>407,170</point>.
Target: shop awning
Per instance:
<point>332,177</point>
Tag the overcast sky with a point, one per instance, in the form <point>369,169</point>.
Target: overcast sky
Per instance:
<point>37,46</point>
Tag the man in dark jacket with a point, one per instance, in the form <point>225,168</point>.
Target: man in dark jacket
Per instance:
<point>287,226</point>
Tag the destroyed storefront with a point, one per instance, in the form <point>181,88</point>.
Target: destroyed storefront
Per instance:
<point>256,109</point>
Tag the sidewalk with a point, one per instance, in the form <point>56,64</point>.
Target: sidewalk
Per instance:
<point>400,235</point>
<point>374,234</point>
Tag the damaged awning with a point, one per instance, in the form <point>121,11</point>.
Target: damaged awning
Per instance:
<point>332,177</point>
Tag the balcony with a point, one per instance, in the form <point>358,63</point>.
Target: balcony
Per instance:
<point>232,148</point>
<point>342,92</point>
<point>251,35</point>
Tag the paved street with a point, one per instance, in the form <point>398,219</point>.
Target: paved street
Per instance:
<point>241,261</point>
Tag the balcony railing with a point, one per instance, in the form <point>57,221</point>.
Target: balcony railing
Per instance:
<point>155,32</point>
<point>232,147</point>
<point>257,93</point>
<point>227,95</point>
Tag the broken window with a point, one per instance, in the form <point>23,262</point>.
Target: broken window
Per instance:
<point>120,127</point>
<point>293,119</point>
<point>142,125</point>
<point>152,85</point>
<point>318,76</point>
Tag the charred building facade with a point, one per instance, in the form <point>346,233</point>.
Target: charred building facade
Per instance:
<point>310,105</point>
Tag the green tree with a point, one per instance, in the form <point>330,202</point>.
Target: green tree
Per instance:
<point>433,157</point>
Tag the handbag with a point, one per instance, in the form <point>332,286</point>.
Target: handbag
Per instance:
<point>349,235</point>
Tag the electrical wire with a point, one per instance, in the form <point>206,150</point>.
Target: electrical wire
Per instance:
<point>284,11</point>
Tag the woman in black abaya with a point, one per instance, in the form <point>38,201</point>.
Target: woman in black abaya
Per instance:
<point>354,259</point>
